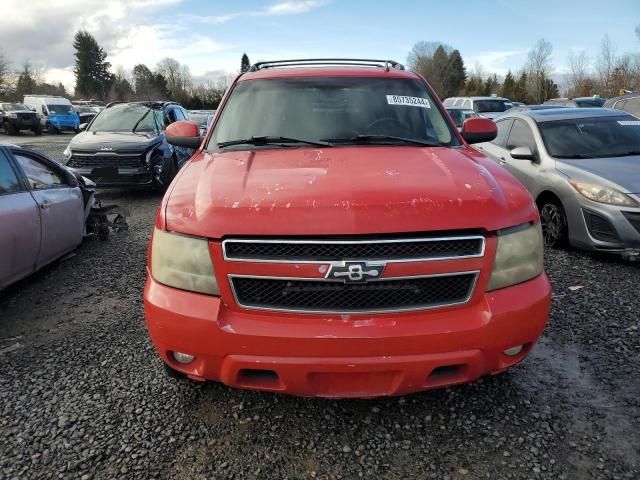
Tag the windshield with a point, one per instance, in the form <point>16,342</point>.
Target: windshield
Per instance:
<point>482,106</point>
<point>592,137</point>
<point>590,102</point>
<point>85,110</point>
<point>14,107</point>
<point>314,109</point>
<point>125,118</point>
<point>59,108</point>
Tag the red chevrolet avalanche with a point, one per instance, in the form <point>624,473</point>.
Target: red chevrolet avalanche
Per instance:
<point>334,235</point>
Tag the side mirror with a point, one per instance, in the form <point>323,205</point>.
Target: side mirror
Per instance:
<point>522,153</point>
<point>83,126</point>
<point>477,130</point>
<point>184,134</point>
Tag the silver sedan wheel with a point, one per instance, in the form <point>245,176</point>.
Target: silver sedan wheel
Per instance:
<point>553,224</point>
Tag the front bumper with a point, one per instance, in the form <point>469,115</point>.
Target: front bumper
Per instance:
<point>346,355</point>
<point>24,124</point>
<point>623,230</point>
<point>116,176</point>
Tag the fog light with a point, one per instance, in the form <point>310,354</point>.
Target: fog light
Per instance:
<point>182,357</point>
<point>513,351</point>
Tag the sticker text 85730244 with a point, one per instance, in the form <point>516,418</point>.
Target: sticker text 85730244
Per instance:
<point>410,101</point>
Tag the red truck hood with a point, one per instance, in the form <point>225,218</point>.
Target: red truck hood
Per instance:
<point>344,191</point>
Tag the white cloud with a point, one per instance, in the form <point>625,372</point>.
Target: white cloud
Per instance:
<point>294,7</point>
<point>496,61</point>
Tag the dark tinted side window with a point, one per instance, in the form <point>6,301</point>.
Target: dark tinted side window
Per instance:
<point>521,136</point>
<point>633,106</point>
<point>503,131</point>
<point>9,182</point>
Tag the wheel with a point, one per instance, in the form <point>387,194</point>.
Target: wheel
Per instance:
<point>77,130</point>
<point>37,130</point>
<point>11,129</point>
<point>169,170</point>
<point>554,223</point>
<point>51,129</point>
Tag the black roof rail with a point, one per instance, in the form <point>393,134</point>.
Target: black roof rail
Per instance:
<point>320,62</point>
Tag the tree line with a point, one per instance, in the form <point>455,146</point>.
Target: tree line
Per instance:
<point>607,74</point>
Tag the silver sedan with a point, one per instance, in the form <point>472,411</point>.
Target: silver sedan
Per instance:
<point>582,166</point>
<point>42,213</point>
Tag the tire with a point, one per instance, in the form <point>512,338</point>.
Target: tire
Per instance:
<point>167,174</point>
<point>52,130</point>
<point>37,130</point>
<point>554,223</point>
<point>11,130</point>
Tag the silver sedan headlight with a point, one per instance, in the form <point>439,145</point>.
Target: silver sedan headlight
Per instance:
<point>67,153</point>
<point>183,262</point>
<point>602,194</point>
<point>519,257</point>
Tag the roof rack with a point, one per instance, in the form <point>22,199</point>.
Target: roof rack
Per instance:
<point>321,62</point>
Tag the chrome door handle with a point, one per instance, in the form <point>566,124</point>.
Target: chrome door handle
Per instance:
<point>45,205</point>
<point>502,161</point>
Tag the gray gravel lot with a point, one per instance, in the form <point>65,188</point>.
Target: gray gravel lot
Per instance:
<point>83,395</point>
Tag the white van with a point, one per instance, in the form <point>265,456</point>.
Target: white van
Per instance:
<point>57,112</point>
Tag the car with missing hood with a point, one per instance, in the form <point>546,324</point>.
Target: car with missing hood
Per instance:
<point>125,145</point>
<point>334,235</point>
<point>582,166</point>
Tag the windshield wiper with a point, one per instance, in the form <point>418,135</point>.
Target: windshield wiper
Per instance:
<point>575,155</point>
<point>378,138</point>
<point>630,153</point>
<point>270,140</point>
<point>133,130</point>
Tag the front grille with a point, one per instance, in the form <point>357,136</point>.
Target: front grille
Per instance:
<point>26,116</point>
<point>304,295</point>
<point>106,160</point>
<point>600,228</point>
<point>634,219</point>
<point>330,250</point>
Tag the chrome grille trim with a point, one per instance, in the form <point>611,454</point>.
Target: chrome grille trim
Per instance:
<point>228,257</point>
<point>472,288</point>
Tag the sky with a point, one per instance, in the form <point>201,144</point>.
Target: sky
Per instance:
<point>210,36</point>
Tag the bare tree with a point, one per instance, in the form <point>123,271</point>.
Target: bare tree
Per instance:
<point>578,77</point>
<point>538,70</point>
<point>178,77</point>
<point>423,50</point>
<point>5,73</point>
<point>605,62</point>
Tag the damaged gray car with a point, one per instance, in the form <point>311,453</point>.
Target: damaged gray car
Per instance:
<point>45,211</point>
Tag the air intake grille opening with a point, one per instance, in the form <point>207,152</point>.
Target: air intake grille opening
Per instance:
<point>600,228</point>
<point>303,295</point>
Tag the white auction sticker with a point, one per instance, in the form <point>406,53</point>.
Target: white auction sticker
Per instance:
<point>629,122</point>
<point>411,101</point>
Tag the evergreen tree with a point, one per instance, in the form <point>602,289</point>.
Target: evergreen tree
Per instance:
<point>455,75</point>
<point>520,94</point>
<point>26,82</point>
<point>245,65</point>
<point>91,69</point>
<point>509,86</point>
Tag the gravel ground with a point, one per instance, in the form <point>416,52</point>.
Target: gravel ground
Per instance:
<point>83,395</point>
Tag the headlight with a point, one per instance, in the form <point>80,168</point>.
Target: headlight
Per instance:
<point>182,262</point>
<point>67,153</point>
<point>12,115</point>
<point>519,257</point>
<point>601,194</point>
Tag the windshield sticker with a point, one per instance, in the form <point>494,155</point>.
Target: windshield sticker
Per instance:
<point>629,122</point>
<point>411,101</point>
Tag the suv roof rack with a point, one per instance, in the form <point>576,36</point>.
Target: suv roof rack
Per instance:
<point>321,62</point>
